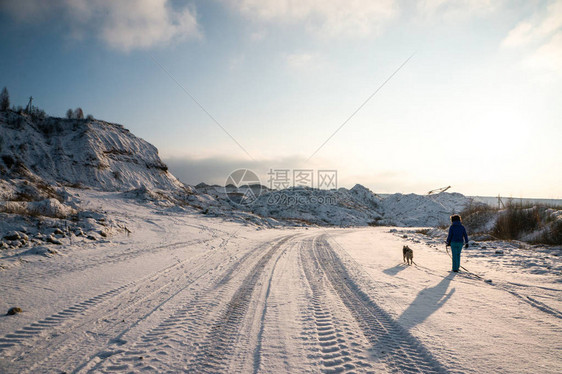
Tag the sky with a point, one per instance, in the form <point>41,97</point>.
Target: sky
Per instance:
<point>396,95</point>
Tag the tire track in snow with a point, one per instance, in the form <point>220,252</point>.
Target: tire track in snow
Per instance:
<point>284,342</point>
<point>391,343</point>
<point>214,353</point>
<point>37,278</point>
<point>258,348</point>
<point>340,348</point>
<point>185,339</point>
<point>183,327</point>
<point>27,353</point>
<point>22,277</point>
<point>34,329</point>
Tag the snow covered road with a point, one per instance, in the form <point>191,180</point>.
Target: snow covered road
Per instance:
<point>193,294</point>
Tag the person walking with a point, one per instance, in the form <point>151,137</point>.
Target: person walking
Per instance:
<point>457,235</point>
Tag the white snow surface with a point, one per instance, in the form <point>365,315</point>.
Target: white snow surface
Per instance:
<point>186,292</point>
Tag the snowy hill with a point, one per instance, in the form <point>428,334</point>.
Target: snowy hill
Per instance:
<point>47,163</point>
<point>86,153</point>
<point>422,210</point>
<point>342,207</point>
<point>358,206</point>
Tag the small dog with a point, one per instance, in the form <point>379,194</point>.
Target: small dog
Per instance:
<point>408,255</point>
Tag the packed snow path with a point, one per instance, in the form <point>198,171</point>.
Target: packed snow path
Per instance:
<point>204,296</point>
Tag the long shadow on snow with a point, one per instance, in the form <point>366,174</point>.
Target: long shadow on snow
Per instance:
<point>407,353</point>
<point>427,302</point>
<point>394,270</point>
<point>391,341</point>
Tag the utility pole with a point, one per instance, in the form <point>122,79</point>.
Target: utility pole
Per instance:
<point>500,202</point>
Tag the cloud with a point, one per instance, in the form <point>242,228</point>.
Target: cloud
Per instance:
<point>300,60</point>
<point>215,170</point>
<point>537,28</point>
<point>258,36</point>
<point>143,24</point>
<point>329,18</point>
<point>456,10</point>
<point>540,37</point>
<point>548,56</point>
<point>123,25</point>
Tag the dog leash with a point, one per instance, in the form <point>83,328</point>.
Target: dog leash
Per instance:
<point>462,267</point>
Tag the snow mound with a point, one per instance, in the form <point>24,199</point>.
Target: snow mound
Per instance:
<point>422,210</point>
<point>340,207</point>
<point>50,208</point>
<point>40,251</point>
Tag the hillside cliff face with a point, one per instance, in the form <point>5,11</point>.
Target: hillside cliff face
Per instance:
<point>87,153</point>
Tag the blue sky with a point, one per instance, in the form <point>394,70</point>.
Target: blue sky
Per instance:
<point>476,107</point>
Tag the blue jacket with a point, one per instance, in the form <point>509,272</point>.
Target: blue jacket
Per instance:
<point>456,233</point>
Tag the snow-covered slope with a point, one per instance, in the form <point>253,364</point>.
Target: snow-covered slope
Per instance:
<point>342,207</point>
<point>422,210</point>
<point>88,153</point>
<point>358,206</point>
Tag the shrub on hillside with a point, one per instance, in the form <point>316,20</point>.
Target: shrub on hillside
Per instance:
<point>540,223</point>
<point>516,220</point>
<point>477,217</point>
<point>554,234</point>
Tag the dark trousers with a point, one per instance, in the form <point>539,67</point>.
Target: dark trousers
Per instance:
<point>456,248</point>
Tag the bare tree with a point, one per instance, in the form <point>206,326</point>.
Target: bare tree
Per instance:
<point>4,99</point>
<point>69,114</point>
<point>78,113</point>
